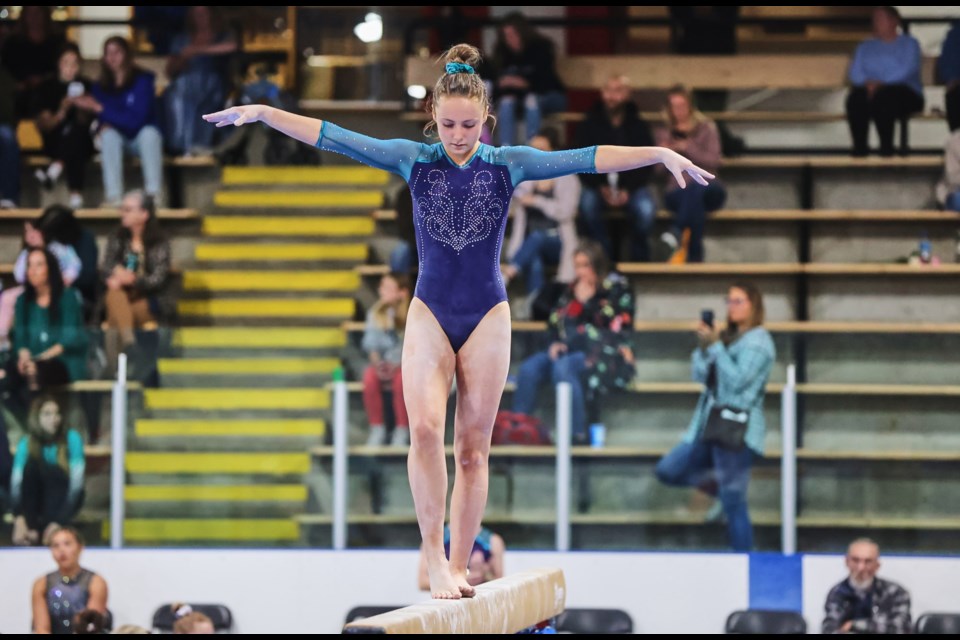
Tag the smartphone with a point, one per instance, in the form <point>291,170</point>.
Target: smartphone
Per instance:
<point>75,89</point>
<point>707,316</point>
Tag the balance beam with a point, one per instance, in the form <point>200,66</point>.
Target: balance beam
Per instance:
<point>507,605</point>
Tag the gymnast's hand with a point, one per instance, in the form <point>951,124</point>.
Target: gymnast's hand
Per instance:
<point>238,116</point>
<point>678,165</point>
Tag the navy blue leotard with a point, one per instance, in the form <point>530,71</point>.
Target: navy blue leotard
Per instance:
<point>460,213</point>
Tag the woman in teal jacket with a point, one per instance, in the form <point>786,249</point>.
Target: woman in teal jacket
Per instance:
<point>734,366</point>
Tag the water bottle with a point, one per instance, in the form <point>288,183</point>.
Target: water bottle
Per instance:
<point>598,435</point>
<point>926,251</point>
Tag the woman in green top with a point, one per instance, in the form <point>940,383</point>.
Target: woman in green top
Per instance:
<point>48,334</point>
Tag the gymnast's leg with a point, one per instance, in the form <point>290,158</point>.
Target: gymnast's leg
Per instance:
<point>482,365</point>
<point>428,364</point>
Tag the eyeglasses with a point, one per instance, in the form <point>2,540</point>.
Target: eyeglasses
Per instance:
<point>736,302</point>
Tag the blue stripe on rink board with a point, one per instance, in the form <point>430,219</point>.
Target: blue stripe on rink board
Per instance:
<point>776,582</point>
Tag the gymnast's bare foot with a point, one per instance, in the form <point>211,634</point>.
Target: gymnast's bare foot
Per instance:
<point>443,586</point>
<point>466,589</point>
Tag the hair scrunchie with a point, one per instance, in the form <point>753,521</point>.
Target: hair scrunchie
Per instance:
<point>459,67</point>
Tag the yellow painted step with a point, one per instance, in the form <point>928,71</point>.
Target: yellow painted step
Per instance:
<point>216,493</point>
<point>248,366</point>
<point>135,530</point>
<point>234,176</point>
<point>298,226</point>
<point>268,338</point>
<point>298,199</point>
<point>235,399</point>
<point>271,281</point>
<point>268,308</point>
<point>280,252</point>
<point>278,464</point>
<point>233,428</point>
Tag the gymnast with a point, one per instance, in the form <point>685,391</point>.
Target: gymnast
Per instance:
<point>459,321</point>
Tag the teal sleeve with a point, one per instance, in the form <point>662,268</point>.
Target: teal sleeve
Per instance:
<point>397,156</point>
<point>73,338</point>
<point>527,163</point>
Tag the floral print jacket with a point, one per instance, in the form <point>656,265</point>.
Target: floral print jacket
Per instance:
<point>600,327</point>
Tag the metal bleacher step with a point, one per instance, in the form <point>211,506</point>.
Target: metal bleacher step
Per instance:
<point>288,226</point>
<point>284,399</point>
<point>312,176</point>
<point>312,281</point>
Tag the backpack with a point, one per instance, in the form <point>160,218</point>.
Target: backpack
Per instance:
<point>519,429</point>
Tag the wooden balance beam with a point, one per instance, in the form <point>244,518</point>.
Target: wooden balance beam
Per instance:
<point>507,605</point>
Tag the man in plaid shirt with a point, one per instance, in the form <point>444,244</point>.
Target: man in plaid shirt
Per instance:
<point>864,603</point>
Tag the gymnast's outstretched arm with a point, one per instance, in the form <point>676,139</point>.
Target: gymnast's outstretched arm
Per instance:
<point>397,156</point>
<point>527,163</point>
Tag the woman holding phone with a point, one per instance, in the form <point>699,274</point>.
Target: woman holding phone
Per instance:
<point>64,125</point>
<point>734,366</point>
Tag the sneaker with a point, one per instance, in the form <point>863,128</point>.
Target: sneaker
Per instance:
<point>668,244</point>
<point>45,182</point>
<point>715,512</point>
<point>6,203</point>
<point>400,437</point>
<point>75,201</point>
<point>377,437</point>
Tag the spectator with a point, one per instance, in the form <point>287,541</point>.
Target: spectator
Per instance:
<point>383,342</point>
<point>65,128</point>
<point>48,336</point>
<point>733,366</point>
<point>136,267</point>
<point>6,465</point>
<point>189,621</point>
<point>125,102</point>
<point>198,72</point>
<point>589,339</point>
<point>864,603</point>
<point>948,74</point>
<point>486,559</point>
<point>160,24</point>
<point>544,229</point>
<point>34,238</point>
<point>690,133</point>
<point>948,189</point>
<point>89,623</point>
<point>885,79</point>
<point>614,119</point>
<point>403,257</point>
<point>30,53</point>
<point>46,485</point>
<point>525,77</point>
<point>702,30</point>
<point>70,588</point>
<point>9,145</point>
<point>59,224</point>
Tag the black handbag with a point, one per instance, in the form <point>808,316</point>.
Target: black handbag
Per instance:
<point>726,426</point>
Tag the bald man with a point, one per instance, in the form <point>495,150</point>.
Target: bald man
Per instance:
<point>864,603</point>
<point>615,120</point>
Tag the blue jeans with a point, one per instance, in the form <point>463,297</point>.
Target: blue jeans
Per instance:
<point>538,248</point>
<point>148,145</point>
<point>535,106</point>
<point>190,95</point>
<point>690,207</point>
<point>640,211</point>
<point>953,201</point>
<point>9,164</point>
<point>535,370</point>
<point>719,472</point>
<point>401,258</point>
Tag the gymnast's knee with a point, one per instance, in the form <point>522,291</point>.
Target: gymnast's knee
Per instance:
<point>426,433</point>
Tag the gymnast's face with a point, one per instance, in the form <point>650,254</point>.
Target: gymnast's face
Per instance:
<point>459,124</point>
